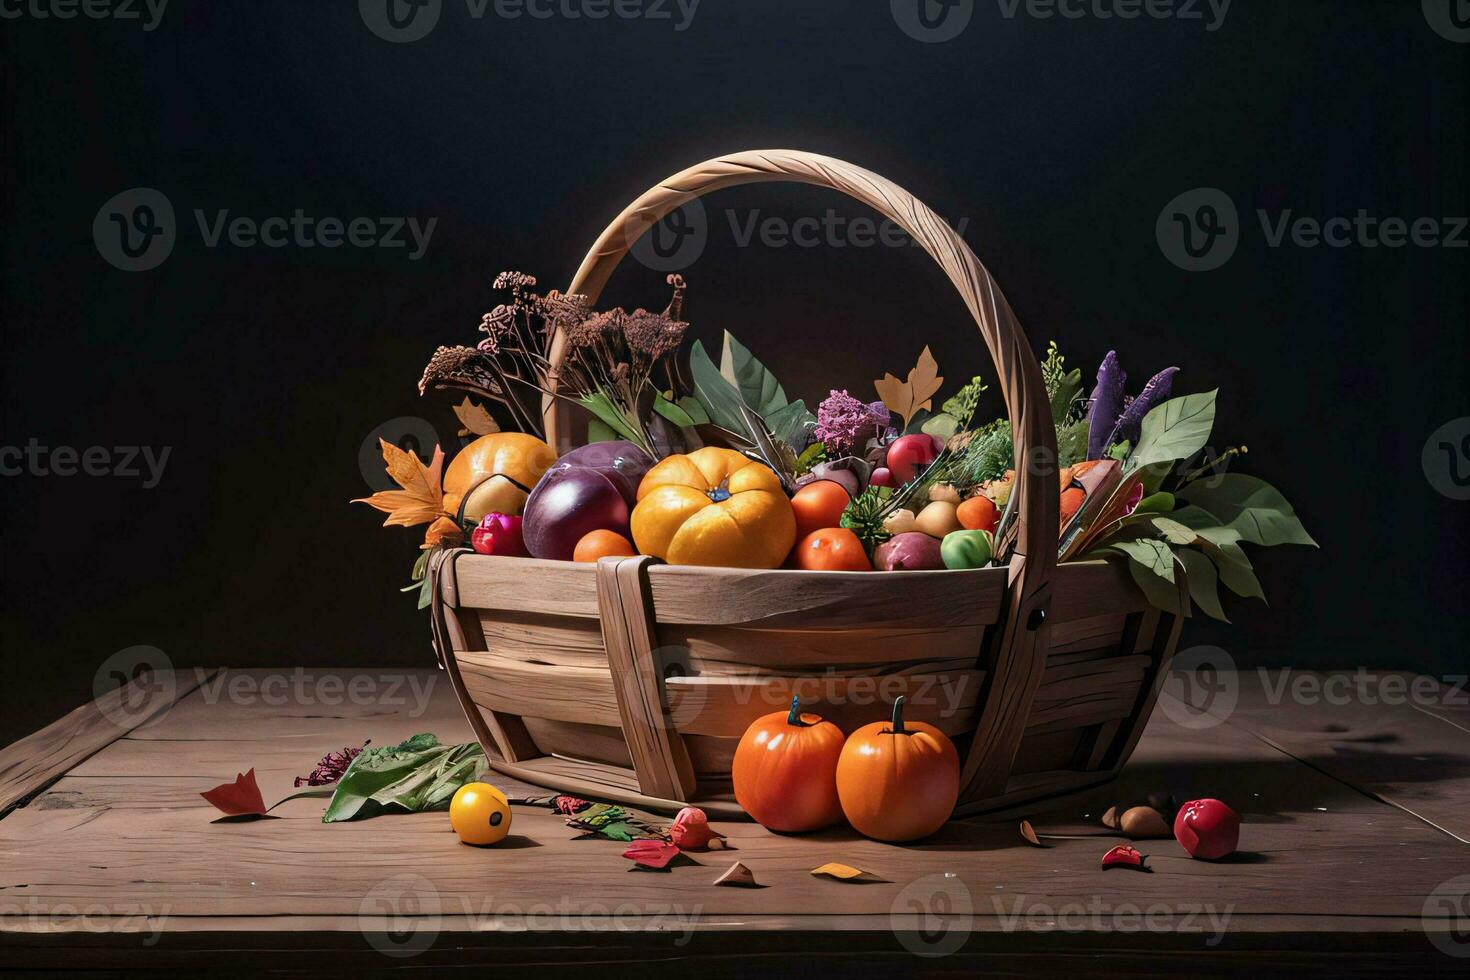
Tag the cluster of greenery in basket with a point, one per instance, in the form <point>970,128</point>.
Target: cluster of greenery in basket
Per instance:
<point>705,463</point>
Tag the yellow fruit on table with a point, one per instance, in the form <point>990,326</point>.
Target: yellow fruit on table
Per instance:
<point>480,814</point>
<point>497,472</point>
<point>713,507</point>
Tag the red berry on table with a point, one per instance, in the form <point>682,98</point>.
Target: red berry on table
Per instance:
<point>1208,829</point>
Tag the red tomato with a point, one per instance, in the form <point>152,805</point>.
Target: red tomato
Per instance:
<point>817,505</point>
<point>833,549</point>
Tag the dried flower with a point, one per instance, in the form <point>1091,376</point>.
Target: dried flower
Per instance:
<point>653,334</point>
<point>516,282</point>
<point>844,422</point>
<point>330,769</point>
<point>445,531</point>
<point>561,310</point>
<point>459,367</point>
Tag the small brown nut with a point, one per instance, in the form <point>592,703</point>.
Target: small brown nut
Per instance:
<point>1110,818</point>
<point>1143,822</point>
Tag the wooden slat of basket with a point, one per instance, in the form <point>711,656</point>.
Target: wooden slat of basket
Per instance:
<point>578,694</point>
<point>545,639</point>
<point>725,705</point>
<point>658,752</point>
<point>731,649</point>
<point>595,742</point>
<point>1091,633</point>
<point>684,594</point>
<point>525,585</point>
<point>1087,589</point>
<point>1101,665</point>
<point>1091,686</point>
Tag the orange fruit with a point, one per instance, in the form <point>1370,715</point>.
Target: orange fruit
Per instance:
<point>831,549</point>
<point>1071,502</point>
<point>979,513</point>
<point>603,544</point>
<point>817,505</point>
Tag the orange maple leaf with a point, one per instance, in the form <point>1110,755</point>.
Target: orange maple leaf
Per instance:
<point>422,498</point>
<point>904,398</point>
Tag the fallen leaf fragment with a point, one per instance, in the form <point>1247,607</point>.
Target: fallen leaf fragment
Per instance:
<point>737,875</point>
<point>613,822</point>
<point>654,854</point>
<point>1028,832</point>
<point>1124,856</point>
<point>474,418</point>
<point>569,805</point>
<point>844,872</point>
<point>421,499</point>
<point>907,397</point>
<point>238,798</point>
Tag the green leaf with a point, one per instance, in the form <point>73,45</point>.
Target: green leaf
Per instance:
<point>1151,563</point>
<point>1222,545</point>
<point>1160,502</point>
<point>810,457</point>
<point>1174,532</point>
<point>792,424</point>
<point>672,412</point>
<point>757,386</point>
<point>426,594</point>
<point>719,397</point>
<point>1153,475</point>
<point>601,405</point>
<point>694,409</point>
<point>417,774</point>
<point>421,565</point>
<point>1175,430</point>
<point>600,431</point>
<point>1119,450</point>
<point>1066,393</point>
<point>1072,443</point>
<point>1250,506</point>
<point>942,426</point>
<point>1203,580</point>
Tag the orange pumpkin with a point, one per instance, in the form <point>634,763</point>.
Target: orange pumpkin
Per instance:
<point>898,781</point>
<point>785,771</point>
<point>713,507</point>
<point>495,474</point>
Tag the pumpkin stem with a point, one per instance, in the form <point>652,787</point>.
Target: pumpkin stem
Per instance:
<point>897,725</point>
<point>793,717</point>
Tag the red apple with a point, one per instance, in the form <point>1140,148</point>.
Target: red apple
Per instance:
<point>882,478</point>
<point>908,455</point>
<point>1208,829</point>
<point>499,534</point>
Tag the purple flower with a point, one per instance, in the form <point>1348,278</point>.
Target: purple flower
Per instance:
<point>844,422</point>
<point>1157,391</point>
<point>330,769</point>
<point>1107,405</point>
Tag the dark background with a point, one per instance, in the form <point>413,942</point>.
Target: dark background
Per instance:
<point>1058,140</point>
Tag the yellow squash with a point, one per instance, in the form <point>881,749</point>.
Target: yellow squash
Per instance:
<point>713,507</point>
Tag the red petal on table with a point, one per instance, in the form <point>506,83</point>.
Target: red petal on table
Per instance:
<point>1124,856</point>
<point>651,853</point>
<point>237,798</point>
<point>569,805</point>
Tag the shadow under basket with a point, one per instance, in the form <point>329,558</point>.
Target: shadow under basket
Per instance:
<point>633,680</point>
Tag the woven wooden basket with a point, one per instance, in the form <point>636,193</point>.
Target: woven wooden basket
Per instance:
<point>633,680</point>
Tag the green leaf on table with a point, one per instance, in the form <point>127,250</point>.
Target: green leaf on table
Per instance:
<point>417,774</point>
<point>673,412</point>
<point>601,405</point>
<point>757,386</point>
<point>1203,581</point>
<point>1250,506</point>
<point>1175,430</point>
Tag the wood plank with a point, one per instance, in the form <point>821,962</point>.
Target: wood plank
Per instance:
<point>31,764</point>
<point>658,753</point>
<point>513,686</point>
<point>729,649</point>
<point>1082,590</point>
<point>524,585</point>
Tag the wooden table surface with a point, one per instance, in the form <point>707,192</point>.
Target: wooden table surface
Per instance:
<point>1354,798</point>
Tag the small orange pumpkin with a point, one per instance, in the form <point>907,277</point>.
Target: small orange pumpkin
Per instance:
<point>785,771</point>
<point>897,781</point>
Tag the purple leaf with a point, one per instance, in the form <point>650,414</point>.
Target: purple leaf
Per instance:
<point>1107,404</point>
<point>1154,393</point>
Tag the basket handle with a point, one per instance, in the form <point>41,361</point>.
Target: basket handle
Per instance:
<point>1015,363</point>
